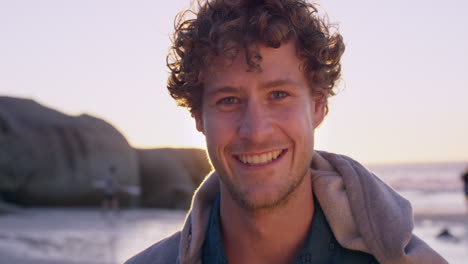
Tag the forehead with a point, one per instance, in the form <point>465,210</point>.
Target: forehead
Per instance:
<point>276,63</point>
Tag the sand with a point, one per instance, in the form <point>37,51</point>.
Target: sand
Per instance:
<point>85,235</point>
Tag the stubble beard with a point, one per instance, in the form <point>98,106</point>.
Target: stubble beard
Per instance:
<point>242,198</point>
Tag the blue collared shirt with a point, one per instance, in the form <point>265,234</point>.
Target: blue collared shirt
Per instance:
<point>320,247</point>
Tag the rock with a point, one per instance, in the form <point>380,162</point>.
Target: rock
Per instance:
<point>6,208</point>
<point>170,176</point>
<point>446,235</point>
<point>49,158</point>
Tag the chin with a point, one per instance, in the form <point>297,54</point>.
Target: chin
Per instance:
<point>263,197</point>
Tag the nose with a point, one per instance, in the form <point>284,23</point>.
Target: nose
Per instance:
<point>255,123</point>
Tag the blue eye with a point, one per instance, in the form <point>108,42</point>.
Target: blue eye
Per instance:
<point>278,95</point>
<point>228,101</point>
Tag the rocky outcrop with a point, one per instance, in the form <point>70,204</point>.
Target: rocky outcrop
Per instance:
<point>49,158</point>
<point>170,176</point>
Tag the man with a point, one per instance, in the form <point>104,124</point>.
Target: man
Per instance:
<point>464,179</point>
<point>110,201</point>
<point>256,76</point>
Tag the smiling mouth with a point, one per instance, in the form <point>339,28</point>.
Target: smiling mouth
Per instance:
<point>260,159</point>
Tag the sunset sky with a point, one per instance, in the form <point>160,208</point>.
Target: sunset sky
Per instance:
<point>404,94</point>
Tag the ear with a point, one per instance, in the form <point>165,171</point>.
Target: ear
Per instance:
<point>319,110</point>
<point>199,122</point>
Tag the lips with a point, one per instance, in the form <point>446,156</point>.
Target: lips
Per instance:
<point>259,159</point>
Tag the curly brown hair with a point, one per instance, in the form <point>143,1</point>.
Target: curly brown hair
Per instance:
<point>221,28</point>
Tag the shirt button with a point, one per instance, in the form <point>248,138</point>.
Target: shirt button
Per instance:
<point>332,246</point>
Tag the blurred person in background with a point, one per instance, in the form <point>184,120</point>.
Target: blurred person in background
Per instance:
<point>464,178</point>
<point>110,201</point>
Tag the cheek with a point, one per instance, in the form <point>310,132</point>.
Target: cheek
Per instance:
<point>297,123</point>
<point>218,134</point>
<point>298,117</point>
<point>218,129</point>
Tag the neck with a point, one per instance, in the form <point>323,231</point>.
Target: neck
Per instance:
<point>274,235</point>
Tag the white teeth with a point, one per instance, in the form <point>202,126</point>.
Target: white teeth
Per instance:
<point>269,156</point>
<point>259,159</point>
<point>256,159</point>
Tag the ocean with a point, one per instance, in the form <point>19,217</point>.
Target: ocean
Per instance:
<point>429,177</point>
<point>430,187</point>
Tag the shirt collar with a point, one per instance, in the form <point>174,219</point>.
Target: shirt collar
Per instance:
<point>319,246</point>
<point>213,248</point>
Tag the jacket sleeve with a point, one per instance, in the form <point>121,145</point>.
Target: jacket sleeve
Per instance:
<point>164,251</point>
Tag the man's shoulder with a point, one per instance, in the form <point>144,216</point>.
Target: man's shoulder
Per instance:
<point>164,251</point>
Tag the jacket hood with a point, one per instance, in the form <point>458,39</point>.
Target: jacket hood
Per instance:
<point>364,213</point>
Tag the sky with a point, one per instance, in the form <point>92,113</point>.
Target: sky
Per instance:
<point>402,96</point>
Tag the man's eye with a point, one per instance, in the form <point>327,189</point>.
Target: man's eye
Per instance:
<point>278,95</point>
<point>228,101</point>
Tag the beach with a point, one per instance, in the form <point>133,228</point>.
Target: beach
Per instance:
<point>82,235</point>
<point>86,235</point>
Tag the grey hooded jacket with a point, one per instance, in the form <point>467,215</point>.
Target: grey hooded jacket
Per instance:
<point>363,212</point>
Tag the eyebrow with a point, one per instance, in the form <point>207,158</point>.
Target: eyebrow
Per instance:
<point>225,89</point>
<point>265,85</point>
<point>276,83</point>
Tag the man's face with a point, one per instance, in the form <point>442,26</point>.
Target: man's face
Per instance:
<point>259,127</point>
